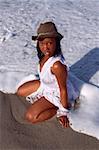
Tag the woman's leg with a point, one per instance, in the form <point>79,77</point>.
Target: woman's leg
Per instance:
<point>28,88</point>
<point>40,111</point>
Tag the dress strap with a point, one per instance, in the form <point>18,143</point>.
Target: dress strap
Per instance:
<point>55,59</point>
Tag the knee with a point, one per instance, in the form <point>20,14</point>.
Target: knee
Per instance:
<point>20,92</point>
<point>31,117</point>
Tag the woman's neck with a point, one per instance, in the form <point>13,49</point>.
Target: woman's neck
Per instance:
<point>45,58</point>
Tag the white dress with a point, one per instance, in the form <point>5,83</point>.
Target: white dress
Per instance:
<point>49,87</point>
<point>84,119</point>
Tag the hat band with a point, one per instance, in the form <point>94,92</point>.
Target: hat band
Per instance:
<point>47,33</point>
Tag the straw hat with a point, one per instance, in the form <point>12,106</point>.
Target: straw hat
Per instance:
<point>47,30</point>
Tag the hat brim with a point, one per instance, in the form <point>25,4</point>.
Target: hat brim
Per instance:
<point>55,35</point>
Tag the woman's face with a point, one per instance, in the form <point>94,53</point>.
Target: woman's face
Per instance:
<point>48,46</point>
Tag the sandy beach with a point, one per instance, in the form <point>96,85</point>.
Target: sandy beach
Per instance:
<point>78,22</point>
<point>17,134</point>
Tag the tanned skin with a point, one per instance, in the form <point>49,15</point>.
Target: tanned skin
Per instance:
<point>42,109</point>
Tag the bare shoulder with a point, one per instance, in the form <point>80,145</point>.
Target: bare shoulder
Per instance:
<point>58,67</point>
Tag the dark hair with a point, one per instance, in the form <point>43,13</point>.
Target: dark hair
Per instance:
<point>58,50</point>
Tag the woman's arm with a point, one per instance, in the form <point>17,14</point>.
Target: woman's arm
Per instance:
<point>60,71</point>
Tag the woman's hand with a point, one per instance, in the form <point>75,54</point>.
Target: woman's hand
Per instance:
<point>63,120</point>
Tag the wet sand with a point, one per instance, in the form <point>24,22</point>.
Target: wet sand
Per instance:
<point>17,134</point>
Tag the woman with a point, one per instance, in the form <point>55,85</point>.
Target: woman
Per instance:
<point>51,93</point>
